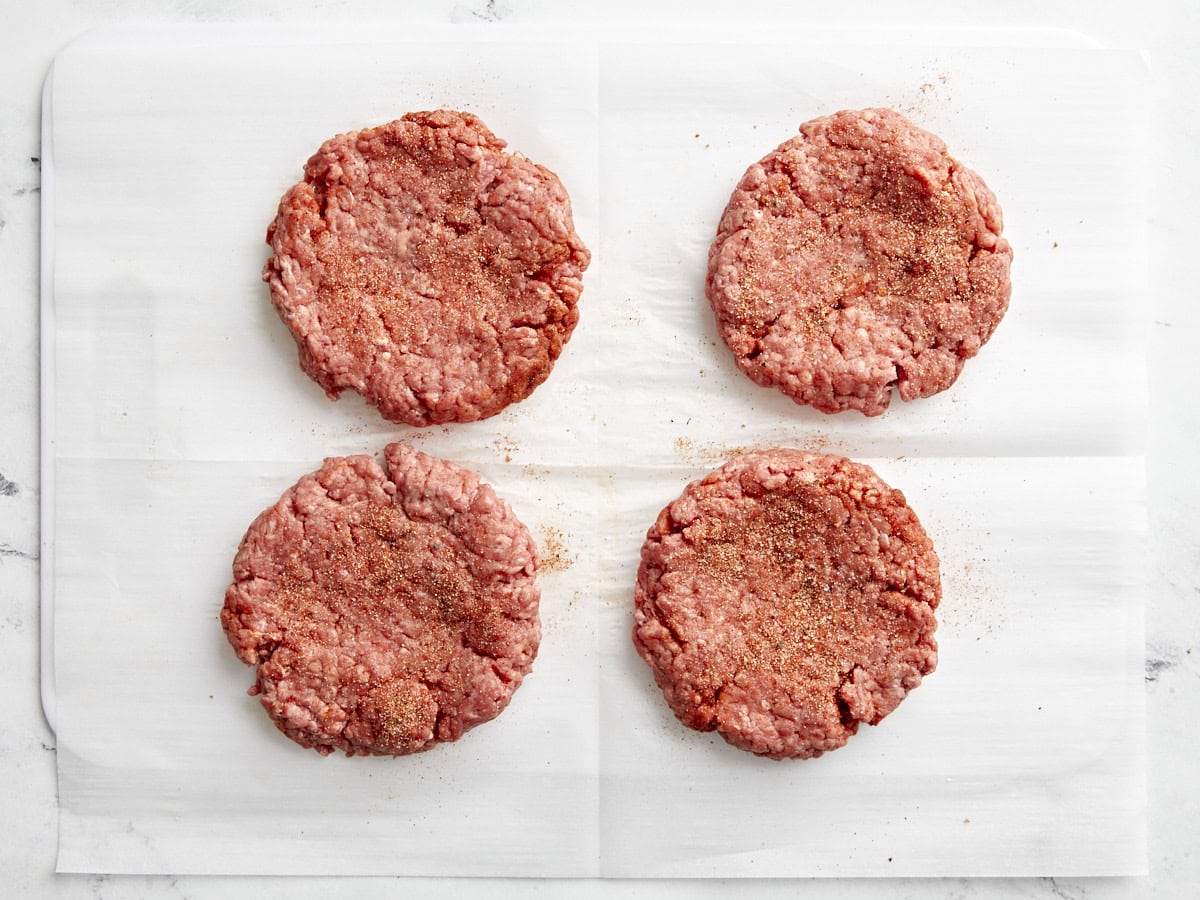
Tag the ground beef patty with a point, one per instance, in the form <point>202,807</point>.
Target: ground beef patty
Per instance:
<point>857,256</point>
<point>785,599</point>
<point>385,612</point>
<point>421,265</point>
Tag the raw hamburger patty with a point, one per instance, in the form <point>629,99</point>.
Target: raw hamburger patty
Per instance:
<point>785,599</point>
<point>385,612</point>
<point>856,256</point>
<point>421,265</point>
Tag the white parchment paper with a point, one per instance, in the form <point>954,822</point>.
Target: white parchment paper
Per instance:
<point>180,412</point>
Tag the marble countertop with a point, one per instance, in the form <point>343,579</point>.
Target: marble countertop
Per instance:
<point>1167,31</point>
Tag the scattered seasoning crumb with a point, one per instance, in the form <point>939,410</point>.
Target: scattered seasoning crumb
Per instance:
<point>820,441</point>
<point>709,452</point>
<point>555,555</point>
<point>506,445</point>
